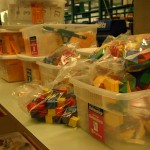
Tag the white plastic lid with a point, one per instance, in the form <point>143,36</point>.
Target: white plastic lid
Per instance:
<point>29,58</point>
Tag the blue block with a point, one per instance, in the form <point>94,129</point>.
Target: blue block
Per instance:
<point>51,104</point>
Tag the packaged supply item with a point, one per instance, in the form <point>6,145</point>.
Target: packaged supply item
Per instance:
<point>30,68</point>
<point>57,107</point>
<point>11,69</point>
<point>53,106</point>
<point>30,12</point>
<point>125,127</point>
<point>11,42</point>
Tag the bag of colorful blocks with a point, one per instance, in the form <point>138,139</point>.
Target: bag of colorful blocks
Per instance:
<point>55,107</point>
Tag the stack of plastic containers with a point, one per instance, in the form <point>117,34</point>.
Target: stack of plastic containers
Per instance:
<point>20,12</point>
<point>26,15</point>
<point>11,43</point>
<point>38,44</point>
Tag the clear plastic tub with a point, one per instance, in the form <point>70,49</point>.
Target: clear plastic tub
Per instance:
<point>11,69</point>
<point>120,103</point>
<point>39,42</point>
<point>129,129</point>
<point>48,72</point>
<point>30,68</point>
<point>34,12</point>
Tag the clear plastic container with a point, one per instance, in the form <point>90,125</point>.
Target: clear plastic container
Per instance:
<point>30,68</point>
<point>120,103</point>
<point>11,69</point>
<point>39,42</point>
<point>34,12</point>
<point>128,128</point>
<point>48,72</point>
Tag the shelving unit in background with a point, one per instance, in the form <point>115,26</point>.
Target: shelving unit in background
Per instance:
<point>87,11</point>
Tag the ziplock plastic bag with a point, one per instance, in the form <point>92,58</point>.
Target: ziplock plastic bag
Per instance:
<point>137,53</point>
<point>26,92</point>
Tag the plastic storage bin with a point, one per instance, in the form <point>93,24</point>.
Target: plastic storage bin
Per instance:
<point>130,130</point>
<point>11,69</point>
<point>33,12</point>
<point>48,72</point>
<point>39,42</point>
<point>11,42</point>
<point>30,68</point>
<point>120,103</point>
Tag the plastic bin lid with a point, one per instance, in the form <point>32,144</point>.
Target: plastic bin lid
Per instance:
<point>4,57</point>
<point>29,58</point>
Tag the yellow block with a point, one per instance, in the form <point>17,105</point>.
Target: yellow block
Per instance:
<point>73,121</point>
<point>99,80</point>
<point>51,112</point>
<point>128,87</point>
<point>48,119</point>
<point>61,101</point>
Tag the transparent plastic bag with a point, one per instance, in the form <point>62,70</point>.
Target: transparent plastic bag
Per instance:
<point>109,74</point>
<point>62,56</point>
<point>27,92</point>
<point>137,53</point>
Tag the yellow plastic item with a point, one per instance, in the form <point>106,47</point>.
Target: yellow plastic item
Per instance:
<point>48,119</point>
<point>73,122</point>
<point>51,112</point>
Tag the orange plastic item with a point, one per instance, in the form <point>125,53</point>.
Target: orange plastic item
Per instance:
<point>37,13</point>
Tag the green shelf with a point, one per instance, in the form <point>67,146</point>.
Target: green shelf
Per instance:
<point>101,10</point>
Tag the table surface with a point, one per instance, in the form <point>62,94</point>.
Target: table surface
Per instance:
<point>53,136</point>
